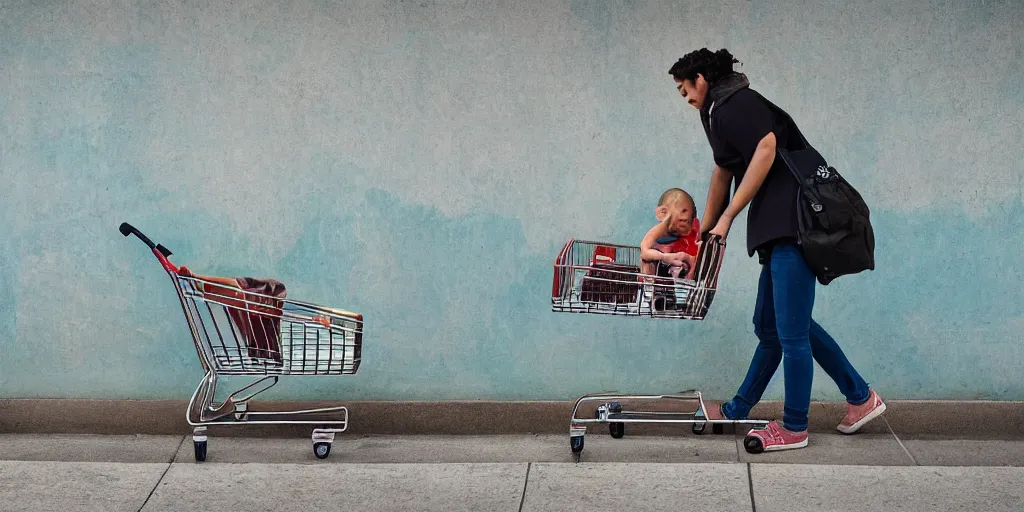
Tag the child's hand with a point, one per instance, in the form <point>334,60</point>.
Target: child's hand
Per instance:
<point>673,262</point>
<point>678,259</point>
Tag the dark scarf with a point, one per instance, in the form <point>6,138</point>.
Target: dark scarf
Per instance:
<point>720,91</point>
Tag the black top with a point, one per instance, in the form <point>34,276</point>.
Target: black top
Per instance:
<point>737,124</point>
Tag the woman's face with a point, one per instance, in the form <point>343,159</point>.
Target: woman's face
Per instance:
<point>694,91</point>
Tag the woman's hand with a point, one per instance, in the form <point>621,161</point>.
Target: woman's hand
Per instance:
<point>722,228</point>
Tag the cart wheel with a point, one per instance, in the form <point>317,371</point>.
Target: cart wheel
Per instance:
<point>200,450</point>
<point>576,444</point>
<point>617,430</point>
<point>321,450</point>
<point>753,445</point>
<point>717,429</point>
<point>698,428</point>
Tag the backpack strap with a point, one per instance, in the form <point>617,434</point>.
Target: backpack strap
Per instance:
<point>785,115</point>
<point>780,152</point>
<point>775,108</point>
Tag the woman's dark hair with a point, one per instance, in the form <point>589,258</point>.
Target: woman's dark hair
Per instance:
<point>713,65</point>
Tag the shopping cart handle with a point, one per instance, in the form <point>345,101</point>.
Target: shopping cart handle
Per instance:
<point>707,236</point>
<point>127,229</point>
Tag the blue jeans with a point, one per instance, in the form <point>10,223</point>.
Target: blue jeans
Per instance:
<point>787,333</point>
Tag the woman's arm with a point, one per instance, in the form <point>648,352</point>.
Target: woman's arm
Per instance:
<point>718,194</point>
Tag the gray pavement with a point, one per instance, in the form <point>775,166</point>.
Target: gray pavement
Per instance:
<point>513,473</point>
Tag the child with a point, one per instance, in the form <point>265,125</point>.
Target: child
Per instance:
<point>670,248</point>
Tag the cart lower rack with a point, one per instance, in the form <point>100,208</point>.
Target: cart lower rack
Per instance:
<point>606,279</point>
<point>241,332</point>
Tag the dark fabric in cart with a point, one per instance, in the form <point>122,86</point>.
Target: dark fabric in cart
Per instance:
<point>261,326</point>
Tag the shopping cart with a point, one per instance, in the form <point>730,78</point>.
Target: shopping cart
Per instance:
<point>242,333</point>
<point>606,279</point>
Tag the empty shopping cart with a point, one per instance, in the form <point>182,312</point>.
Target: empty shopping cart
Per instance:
<point>241,332</point>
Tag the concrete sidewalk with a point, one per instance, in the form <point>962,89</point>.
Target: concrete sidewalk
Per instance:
<point>513,473</point>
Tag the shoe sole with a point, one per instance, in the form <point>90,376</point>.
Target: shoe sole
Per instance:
<point>863,421</point>
<point>760,448</point>
<point>789,446</point>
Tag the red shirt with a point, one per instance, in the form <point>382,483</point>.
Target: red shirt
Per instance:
<point>675,243</point>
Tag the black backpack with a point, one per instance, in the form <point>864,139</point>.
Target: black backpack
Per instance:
<point>834,225</point>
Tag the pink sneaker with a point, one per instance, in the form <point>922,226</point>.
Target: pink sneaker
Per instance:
<point>859,415</point>
<point>774,438</point>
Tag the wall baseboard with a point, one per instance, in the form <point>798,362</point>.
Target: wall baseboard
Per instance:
<point>77,416</point>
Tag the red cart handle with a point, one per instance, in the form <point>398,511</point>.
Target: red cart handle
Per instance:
<point>161,252</point>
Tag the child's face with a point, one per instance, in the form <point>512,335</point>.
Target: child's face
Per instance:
<point>681,213</point>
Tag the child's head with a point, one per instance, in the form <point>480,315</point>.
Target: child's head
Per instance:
<point>678,206</point>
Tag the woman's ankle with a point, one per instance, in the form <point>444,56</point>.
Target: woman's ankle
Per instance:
<point>792,430</point>
<point>734,412</point>
<point>860,401</point>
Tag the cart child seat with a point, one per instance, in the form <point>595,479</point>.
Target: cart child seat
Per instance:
<point>605,278</point>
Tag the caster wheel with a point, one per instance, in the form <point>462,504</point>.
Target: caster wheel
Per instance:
<point>698,428</point>
<point>717,429</point>
<point>200,450</point>
<point>321,450</point>
<point>617,430</point>
<point>753,445</point>
<point>576,445</point>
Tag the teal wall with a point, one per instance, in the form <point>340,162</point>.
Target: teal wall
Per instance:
<point>422,162</point>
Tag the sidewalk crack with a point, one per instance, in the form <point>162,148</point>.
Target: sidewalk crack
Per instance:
<point>900,441</point>
<point>750,484</point>
<point>526,481</point>
<point>162,475</point>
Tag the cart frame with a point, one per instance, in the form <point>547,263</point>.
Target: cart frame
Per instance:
<point>610,411</point>
<point>605,278</point>
<point>229,351</point>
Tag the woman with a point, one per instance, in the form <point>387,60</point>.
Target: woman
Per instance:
<point>743,133</point>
